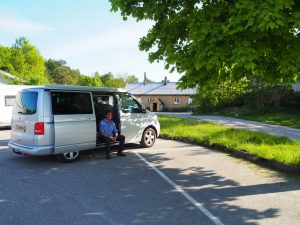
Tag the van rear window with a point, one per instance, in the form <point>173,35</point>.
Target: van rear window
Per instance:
<point>26,102</point>
<point>64,103</point>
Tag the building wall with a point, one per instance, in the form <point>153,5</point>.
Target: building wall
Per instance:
<point>167,100</point>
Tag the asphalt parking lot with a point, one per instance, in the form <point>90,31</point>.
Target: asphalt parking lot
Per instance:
<point>170,183</point>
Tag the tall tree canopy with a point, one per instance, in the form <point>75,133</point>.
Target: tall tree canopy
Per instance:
<point>23,60</point>
<point>59,73</point>
<point>131,79</point>
<point>221,39</point>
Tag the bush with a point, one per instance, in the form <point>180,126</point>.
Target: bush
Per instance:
<point>245,93</point>
<point>291,100</point>
<point>212,96</point>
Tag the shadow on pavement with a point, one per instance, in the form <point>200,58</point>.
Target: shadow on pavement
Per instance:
<point>123,191</point>
<point>216,192</point>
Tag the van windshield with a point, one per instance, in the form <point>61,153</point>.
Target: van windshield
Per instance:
<point>26,102</point>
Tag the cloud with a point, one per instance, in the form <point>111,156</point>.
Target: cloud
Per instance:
<point>12,23</point>
<point>123,38</point>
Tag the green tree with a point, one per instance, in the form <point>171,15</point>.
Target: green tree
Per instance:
<point>5,57</point>
<point>118,82</point>
<point>221,39</point>
<point>105,77</point>
<point>27,63</point>
<point>168,81</point>
<point>109,80</point>
<point>216,95</point>
<point>131,79</point>
<point>149,80</point>
<point>59,73</point>
<point>95,80</point>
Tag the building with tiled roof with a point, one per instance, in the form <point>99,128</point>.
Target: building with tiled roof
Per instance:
<point>161,96</point>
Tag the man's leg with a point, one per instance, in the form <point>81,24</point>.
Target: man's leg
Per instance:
<point>107,142</point>
<point>121,139</point>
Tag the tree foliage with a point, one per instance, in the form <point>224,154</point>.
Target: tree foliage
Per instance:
<point>215,96</point>
<point>131,79</point>
<point>5,59</point>
<point>24,61</point>
<point>59,73</point>
<point>148,80</point>
<point>221,39</point>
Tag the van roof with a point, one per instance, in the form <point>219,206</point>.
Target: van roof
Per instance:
<point>82,88</point>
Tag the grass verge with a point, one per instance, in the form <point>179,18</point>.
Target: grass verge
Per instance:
<point>258,144</point>
<point>276,118</point>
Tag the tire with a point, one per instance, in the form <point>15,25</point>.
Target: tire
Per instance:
<point>68,157</point>
<point>149,137</point>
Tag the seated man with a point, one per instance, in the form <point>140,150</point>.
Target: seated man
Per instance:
<point>109,134</point>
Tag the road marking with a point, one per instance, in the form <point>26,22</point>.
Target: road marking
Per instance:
<point>214,219</point>
<point>163,149</point>
<point>4,150</point>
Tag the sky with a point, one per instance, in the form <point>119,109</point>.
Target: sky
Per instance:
<point>84,33</point>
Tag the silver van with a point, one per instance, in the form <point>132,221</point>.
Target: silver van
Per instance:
<point>63,120</point>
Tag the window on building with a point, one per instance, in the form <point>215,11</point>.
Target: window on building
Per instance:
<point>177,101</point>
<point>140,100</point>
<point>148,100</point>
<point>10,100</point>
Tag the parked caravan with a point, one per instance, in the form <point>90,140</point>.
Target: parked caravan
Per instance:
<point>7,99</point>
<point>63,120</point>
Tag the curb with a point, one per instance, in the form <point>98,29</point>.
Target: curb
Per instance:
<point>268,163</point>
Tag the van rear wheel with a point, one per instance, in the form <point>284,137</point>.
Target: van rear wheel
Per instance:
<point>149,137</point>
<point>68,157</point>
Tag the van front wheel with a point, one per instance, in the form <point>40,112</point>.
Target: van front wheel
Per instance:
<point>149,137</point>
<point>68,157</point>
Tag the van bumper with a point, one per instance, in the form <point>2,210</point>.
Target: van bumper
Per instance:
<point>36,150</point>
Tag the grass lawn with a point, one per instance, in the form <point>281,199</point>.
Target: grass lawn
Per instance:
<point>277,118</point>
<point>259,144</point>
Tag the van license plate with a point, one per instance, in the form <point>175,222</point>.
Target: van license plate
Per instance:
<point>21,128</point>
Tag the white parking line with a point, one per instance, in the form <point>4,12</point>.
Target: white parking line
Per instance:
<point>163,149</point>
<point>214,219</point>
<point>4,150</point>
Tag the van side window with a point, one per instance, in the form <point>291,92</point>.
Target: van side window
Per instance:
<point>64,103</point>
<point>104,100</point>
<point>103,103</point>
<point>129,104</point>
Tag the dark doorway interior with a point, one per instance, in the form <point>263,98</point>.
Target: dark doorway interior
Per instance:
<point>154,107</point>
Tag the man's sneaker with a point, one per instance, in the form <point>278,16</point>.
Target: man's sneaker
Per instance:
<point>107,156</point>
<point>121,154</point>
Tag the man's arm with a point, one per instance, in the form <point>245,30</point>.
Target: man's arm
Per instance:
<point>115,131</point>
<point>101,128</point>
